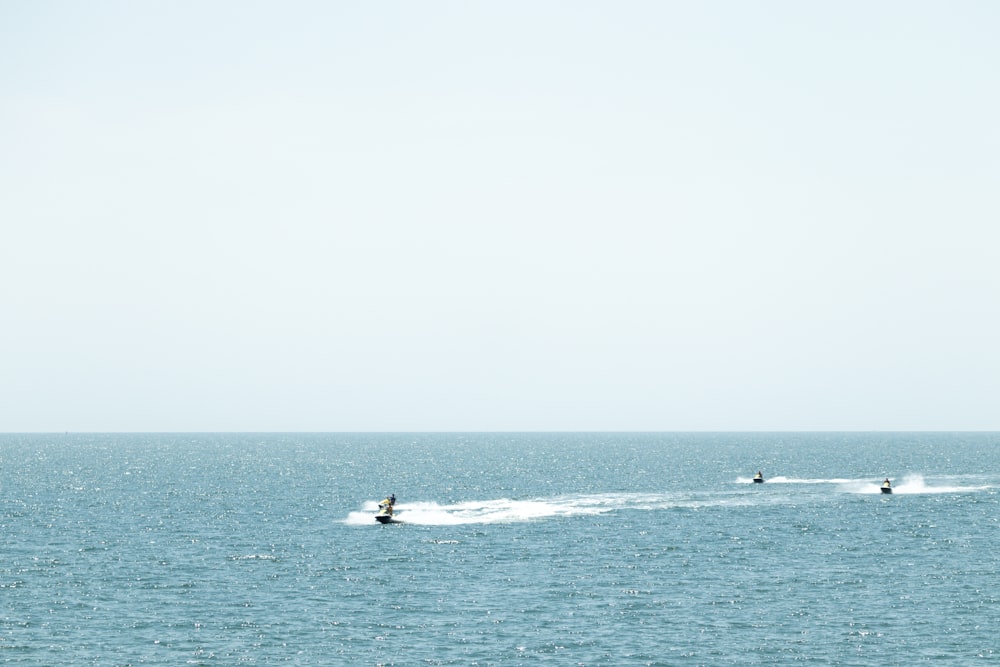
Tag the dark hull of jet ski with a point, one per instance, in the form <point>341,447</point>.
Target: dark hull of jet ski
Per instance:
<point>758,480</point>
<point>886,489</point>
<point>386,514</point>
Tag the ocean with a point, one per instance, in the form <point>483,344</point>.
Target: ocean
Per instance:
<point>512,549</point>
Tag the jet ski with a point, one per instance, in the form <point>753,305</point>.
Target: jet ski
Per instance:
<point>886,487</point>
<point>385,509</point>
<point>385,515</point>
<point>758,478</point>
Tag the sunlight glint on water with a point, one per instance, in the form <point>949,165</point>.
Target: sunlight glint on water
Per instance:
<point>593,549</point>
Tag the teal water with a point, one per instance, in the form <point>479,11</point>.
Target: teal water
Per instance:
<point>514,549</point>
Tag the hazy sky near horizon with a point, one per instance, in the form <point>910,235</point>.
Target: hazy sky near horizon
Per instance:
<point>329,216</point>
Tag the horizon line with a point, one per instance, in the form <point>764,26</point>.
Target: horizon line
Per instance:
<point>528,431</point>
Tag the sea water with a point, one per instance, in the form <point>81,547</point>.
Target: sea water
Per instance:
<point>512,549</point>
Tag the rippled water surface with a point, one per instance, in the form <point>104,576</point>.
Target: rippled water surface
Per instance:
<point>561,549</point>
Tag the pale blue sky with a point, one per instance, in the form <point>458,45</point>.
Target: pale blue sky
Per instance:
<point>327,216</point>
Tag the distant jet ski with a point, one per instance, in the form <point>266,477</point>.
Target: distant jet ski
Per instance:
<point>886,486</point>
<point>758,478</point>
<point>385,510</point>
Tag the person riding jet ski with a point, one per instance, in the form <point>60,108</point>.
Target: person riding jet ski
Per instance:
<point>384,514</point>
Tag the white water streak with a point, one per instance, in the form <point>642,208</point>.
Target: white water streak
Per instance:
<point>911,484</point>
<point>505,510</point>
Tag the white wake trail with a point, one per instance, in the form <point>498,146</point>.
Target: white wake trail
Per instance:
<point>506,510</point>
